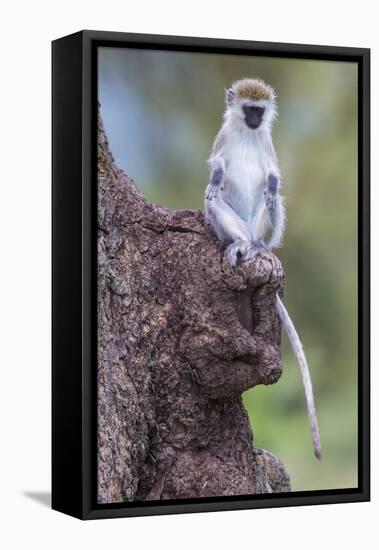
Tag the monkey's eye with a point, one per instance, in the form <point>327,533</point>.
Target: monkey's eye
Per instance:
<point>253,110</point>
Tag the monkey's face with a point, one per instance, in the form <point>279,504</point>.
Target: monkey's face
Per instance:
<point>253,115</point>
<point>251,103</point>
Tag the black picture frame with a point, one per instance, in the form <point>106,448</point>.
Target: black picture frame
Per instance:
<point>74,84</point>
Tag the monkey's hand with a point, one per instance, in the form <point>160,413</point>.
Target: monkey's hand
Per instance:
<point>216,183</point>
<point>270,201</point>
<point>271,192</point>
<point>211,191</point>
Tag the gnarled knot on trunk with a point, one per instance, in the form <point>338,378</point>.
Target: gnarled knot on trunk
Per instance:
<point>233,342</point>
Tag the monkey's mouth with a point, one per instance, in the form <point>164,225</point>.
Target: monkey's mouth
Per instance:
<point>253,123</point>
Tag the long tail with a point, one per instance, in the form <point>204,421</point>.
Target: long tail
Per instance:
<point>302,362</point>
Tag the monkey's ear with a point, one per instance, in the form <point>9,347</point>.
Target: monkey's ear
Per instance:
<point>230,95</point>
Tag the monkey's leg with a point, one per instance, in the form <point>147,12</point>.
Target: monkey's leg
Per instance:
<point>229,227</point>
<point>268,223</point>
<point>259,231</point>
<point>266,228</point>
<point>226,222</point>
<point>278,222</point>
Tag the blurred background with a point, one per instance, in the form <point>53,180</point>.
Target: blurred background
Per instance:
<point>161,112</point>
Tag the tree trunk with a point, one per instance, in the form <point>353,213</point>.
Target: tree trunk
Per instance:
<point>181,334</point>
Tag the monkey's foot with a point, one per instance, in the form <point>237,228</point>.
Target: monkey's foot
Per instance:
<point>254,248</point>
<point>236,251</point>
<point>243,251</point>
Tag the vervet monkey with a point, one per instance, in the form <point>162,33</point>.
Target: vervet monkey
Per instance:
<point>242,200</point>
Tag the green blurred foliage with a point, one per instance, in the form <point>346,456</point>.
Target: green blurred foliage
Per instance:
<point>161,112</point>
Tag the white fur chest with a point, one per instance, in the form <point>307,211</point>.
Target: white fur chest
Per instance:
<point>246,171</point>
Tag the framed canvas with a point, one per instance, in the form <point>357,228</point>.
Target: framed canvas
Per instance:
<point>174,389</point>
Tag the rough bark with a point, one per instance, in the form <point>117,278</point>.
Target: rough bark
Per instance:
<point>181,335</point>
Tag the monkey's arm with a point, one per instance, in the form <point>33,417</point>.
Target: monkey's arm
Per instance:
<point>272,181</point>
<point>216,179</point>
<point>275,209</point>
<point>271,191</point>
